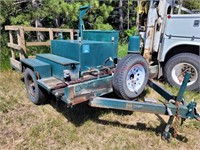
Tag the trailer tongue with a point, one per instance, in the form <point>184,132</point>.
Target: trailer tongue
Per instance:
<point>176,106</point>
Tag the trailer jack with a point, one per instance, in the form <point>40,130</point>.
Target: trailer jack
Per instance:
<point>175,107</point>
<point>192,114</point>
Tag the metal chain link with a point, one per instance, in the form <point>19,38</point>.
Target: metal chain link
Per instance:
<point>177,120</point>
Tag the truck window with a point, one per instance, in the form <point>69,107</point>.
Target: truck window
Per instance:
<point>169,9</point>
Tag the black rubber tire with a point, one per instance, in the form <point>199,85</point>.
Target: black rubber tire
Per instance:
<point>119,80</point>
<point>37,96</point>
<point>189,58</point>
<point>117,70</point>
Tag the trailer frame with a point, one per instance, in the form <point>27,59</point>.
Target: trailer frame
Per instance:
<point>175,106</point>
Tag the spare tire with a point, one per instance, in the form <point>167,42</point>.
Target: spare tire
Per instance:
<point>131,76</point>
<point>115,77</point>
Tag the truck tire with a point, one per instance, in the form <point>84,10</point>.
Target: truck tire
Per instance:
<point>35,93</point>
<point>131,76</point>
<point>176,67</point>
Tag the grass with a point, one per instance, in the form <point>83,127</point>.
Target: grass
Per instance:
<point>122,50</point>
<point>24,125</point>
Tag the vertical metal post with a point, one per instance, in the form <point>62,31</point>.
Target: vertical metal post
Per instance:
<point>137,19</point>
<point>128,16</point>
<point>169,123</point>
<point>82,12</point>
<point>183,87</point>
<point>180,6</point>
<point>166,135</point>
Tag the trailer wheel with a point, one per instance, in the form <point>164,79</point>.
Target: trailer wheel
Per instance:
<point>117,70</point>
<point>178,65</point>
<point>35,93</point>
<point>131,76</point>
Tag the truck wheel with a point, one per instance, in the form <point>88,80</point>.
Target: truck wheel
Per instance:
<point>131,76</point>
<point>178,65</point>
<point>35,93</point>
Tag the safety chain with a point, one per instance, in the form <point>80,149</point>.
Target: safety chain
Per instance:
<point>177,120</point>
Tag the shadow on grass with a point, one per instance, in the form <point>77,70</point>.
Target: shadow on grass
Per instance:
<point>81,113</point>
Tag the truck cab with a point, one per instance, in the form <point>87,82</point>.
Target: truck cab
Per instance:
<point>171,41</point>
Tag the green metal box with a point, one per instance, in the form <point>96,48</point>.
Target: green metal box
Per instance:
<point>134,44</point>
<point>59,65</point>
<point>89,54</point>
<point>102,35</point>
<point>41,67</point>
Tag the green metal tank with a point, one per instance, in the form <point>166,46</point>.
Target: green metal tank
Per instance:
<point>103,35</point>
<point>89,54</point>
<point>134,44</point>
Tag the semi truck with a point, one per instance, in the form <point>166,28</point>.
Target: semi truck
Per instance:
<point>171,40</point>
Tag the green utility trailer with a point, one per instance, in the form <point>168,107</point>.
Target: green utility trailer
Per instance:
<point>88,68</point>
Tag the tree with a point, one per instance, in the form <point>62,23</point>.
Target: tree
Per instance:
<point>98,16</point>
<point>121,20</point>
<point>192,4</point>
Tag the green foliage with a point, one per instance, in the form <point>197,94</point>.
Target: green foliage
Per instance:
<point>100,25</point>
<point>132,31</point>
<point>6,9</point>
<point>21,19</point>
<point>48,11</point>
<point>98,15</point>
<point>192,4</point>
<point>129,32</point>
<point>122,50</point>
<point>4,52</point>
<point>2,19</point>
<point>103,15</point>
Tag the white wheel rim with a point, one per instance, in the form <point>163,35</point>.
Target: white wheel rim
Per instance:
<point>179,71</point>
<point>135,78</point>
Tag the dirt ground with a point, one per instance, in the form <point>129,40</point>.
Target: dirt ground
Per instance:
<point>24,125</point>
